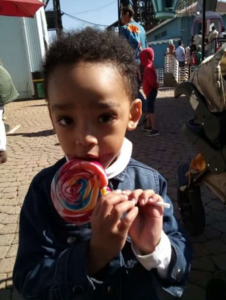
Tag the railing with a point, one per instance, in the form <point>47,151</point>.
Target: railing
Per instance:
<point>160,76</point>
<point>171,65</point>
<point>212,47</point>
<point>183,74</point>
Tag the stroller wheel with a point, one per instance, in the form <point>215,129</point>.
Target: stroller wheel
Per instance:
<point>192,210</point>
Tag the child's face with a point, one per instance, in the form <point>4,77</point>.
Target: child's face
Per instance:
<point>91,111</point>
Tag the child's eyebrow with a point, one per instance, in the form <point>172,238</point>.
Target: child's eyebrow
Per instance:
<point>63,106</point>
<point>98,105</point>
<point>104,105</point>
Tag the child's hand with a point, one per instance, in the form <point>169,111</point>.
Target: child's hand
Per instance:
<point>109,230</point>
<point>146,229</point>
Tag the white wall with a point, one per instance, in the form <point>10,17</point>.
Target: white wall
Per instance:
<point>13,54</point>
<point>23,43</point>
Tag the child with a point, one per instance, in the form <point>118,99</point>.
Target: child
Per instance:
<point>91,89</point>
<point>150,88</point>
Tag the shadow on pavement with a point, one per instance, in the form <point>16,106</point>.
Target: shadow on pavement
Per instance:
<point>34,134</point>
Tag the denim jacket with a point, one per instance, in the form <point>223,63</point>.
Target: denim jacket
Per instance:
<point>52,254</point>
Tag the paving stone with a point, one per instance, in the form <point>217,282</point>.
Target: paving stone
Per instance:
<point>15,240</point>
<point>223,238</point>
<point>3,251</point>
<point>6,239</point>
<point>10,210</point>
<point>200,278</point>
<point>193,292</point>
<point>12,251</point>
<point>197,239</point>
<point>5,295</point>
<point>10,196</point>
<point>10,189</point>
<point>220,261</point>
<point>203,264</point>
<point>220,226</point>
<point>211,233</point>
<point>208,210</point>
<point>2,282</point>
<point>5,202</point>
<point>211,219</point>
<point>9,282</point>
<point>10,219</point>
<point>3,217</point>
<point>16,295</point>
<point>199,250</point>
<point>221,216</point>
<point>216,205</point>
<point>9,228</point>
<point>7,264</point>
<point>215,246</point>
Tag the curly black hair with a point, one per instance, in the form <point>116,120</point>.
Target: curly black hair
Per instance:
<point>95,46</point>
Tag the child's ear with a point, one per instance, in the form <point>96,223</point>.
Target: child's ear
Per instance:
<point>135,114</point>
<point>50,115</point>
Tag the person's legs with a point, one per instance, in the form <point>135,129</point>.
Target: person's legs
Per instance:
<point>3,156</point>
<point>152,120</point>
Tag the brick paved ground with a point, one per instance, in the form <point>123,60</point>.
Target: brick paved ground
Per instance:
<point>34,146</point>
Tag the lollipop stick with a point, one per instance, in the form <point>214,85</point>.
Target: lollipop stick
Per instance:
<point>104,191</point>
<point>162,204</point>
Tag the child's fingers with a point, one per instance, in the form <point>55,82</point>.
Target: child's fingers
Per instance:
<point>118,211</point>
<point>135,195</point>
<point>104,205</point>
<point>155,198</point>
<point>125,224</point>
<point>145,196</point>
<point>126,192</point>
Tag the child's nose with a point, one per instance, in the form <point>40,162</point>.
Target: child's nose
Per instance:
<point>86,139</point>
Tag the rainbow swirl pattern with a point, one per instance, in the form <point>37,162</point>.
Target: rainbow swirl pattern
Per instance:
<point>76,188</point>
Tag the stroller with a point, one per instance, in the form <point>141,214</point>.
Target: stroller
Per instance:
<point>206,91</point>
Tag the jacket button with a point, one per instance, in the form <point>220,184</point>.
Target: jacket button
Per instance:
<point>71,239</point>
<point>78,290</point>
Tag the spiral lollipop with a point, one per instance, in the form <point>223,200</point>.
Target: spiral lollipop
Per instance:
<point>75,189</point>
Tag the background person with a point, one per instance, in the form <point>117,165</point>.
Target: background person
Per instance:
<point>213,34</point>
<point>135,35</point>
<point>150,88</point>
<point>8,93</point>
<point>180,54</point>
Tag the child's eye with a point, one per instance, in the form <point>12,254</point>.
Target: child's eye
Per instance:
<point>65,121</point>
<point>107,118</point>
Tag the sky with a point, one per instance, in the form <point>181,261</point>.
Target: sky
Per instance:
<point>102,12</point>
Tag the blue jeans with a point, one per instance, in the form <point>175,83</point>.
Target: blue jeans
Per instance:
<point>151,101</point>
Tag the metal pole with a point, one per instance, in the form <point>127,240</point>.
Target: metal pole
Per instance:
<point>57,17</point>
<point>119,6</point>
<point>203,28</point>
